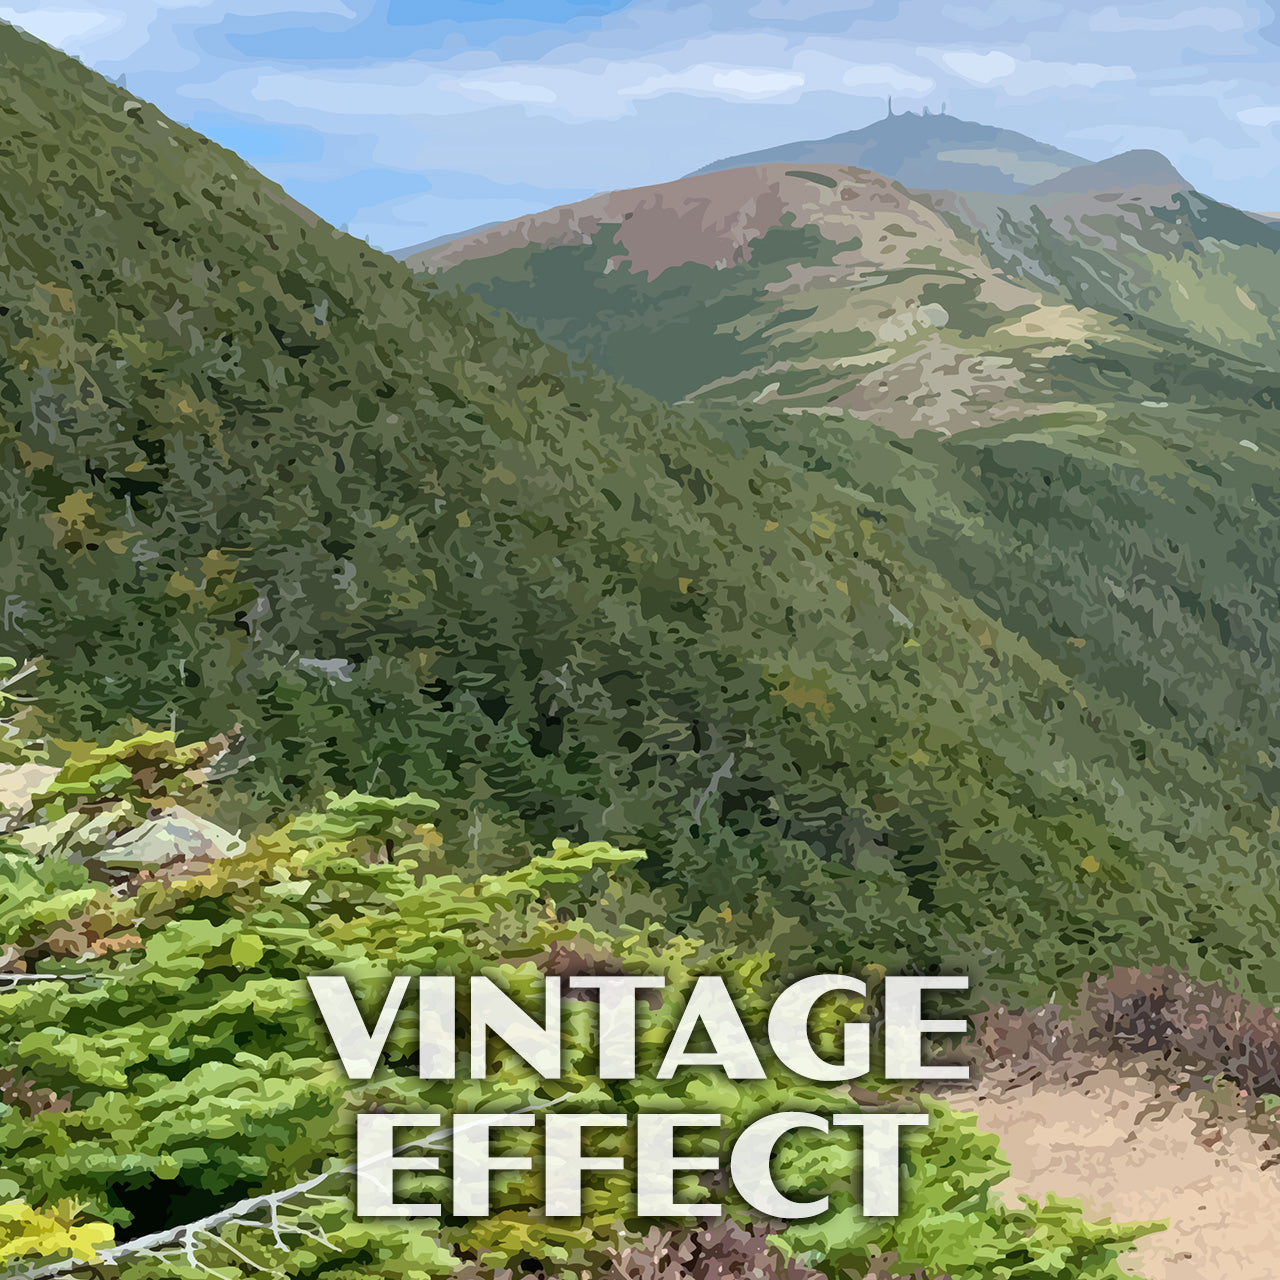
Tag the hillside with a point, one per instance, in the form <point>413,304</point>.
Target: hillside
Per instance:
<point>924,150</point>
<point>777,286</point>
<point>833,289</point>
<point>1104,362</point>
<point>401,542</point>
<point>1170,259</point>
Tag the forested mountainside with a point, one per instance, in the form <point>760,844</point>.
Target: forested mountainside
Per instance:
<point>260,476</point>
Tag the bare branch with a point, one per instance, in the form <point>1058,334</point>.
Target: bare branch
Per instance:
<point>23,671</point>
<point>724,772</point>
<point>182,1239</point>
<point>8,980</point>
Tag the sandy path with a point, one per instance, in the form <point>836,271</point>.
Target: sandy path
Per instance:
<point>1126,1152</point>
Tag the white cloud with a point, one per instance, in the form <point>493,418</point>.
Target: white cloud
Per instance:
<point>1001,13</point>
<point>575,85</point>
<point>350,99</point>
<point>1020,77</point>
<point>805,10</point>
<point>1158,18</point>
<point>1220,91</point>
<point>66,28</point>
<point>750,84</point>
<point>497,89</point>
<point>979,68</point>
<point>1261,116</point>
<point>881,77</point>
<point>126,28</point>
<point>1034,76</point>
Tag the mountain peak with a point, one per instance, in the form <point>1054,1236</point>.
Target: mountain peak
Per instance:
<point>1138,168</point>
<point>928,151</point>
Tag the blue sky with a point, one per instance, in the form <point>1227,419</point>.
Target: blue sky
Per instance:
<point>411,119</point>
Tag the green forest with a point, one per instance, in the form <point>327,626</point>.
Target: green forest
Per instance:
<point>494,665</point>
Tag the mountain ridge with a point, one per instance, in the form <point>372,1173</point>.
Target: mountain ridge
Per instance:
<point>900,146</point>
<point>836,289</point>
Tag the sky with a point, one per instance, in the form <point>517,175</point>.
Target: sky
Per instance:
<point>407,120</point>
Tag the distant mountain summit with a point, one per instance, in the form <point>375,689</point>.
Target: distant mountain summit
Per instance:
<point>1125,172</point>
<point>927,151</point>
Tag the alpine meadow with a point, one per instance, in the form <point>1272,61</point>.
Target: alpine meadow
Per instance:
<point>564,600</point>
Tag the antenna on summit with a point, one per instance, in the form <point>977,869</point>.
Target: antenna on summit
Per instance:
<point>890,111</point>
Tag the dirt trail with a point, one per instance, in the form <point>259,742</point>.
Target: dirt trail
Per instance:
<point>1128,1151</point>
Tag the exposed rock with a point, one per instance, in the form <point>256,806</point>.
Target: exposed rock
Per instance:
<point>175,835</point>
<point>19,782</point>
